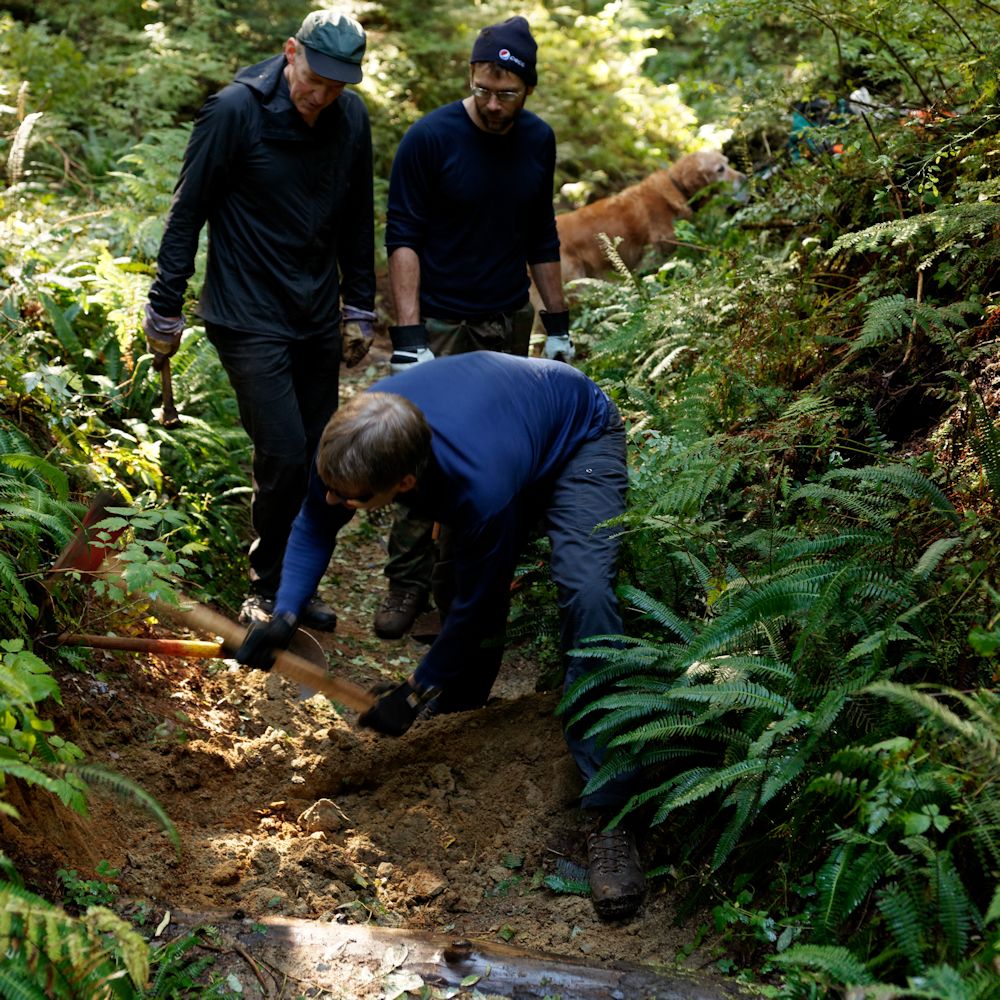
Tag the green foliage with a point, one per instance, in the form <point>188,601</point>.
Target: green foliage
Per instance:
<point>51,954</point>
<point>48,953</point>
<point>81,893</point>
<point>891,317</point>
<point>30,751</point>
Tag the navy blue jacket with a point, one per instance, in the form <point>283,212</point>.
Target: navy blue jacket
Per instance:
<point>476,208</point>
<point>289,210</point>
<point>502,427</point>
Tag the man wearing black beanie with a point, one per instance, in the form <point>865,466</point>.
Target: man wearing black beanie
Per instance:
<point>469,214</point>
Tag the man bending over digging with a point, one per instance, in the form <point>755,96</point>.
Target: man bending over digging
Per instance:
<point>485,444</point>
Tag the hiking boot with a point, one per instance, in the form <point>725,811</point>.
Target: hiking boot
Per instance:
<point>617,881</point>
<point>398,612</point>
<point>256,608</point>
<point>318,616</point>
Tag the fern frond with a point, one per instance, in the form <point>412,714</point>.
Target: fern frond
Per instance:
<point>904,917</point>
<point>867,510</point>
<point>852,539</point>
<point>747,805</point>
<point>18,985</point>
<point>610,248</point>
<point>932,556</point>
<point>840,964</point>
<point>733,696</point>
<point>905,480</point>
<point>944,982</point>
<point>81,952</point>
<point>984,737</point>
<point>842,884</point>
<point>44,472</point>
<point>659,612</point>
<point>956,914</point>
<point>713,781</point>
<point>985,440</point>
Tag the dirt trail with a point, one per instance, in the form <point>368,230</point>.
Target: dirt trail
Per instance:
<point>286,807</point>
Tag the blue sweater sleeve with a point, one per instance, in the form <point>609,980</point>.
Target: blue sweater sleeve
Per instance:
<point>543,244</point>
<point>409,192</point>
<point>310,545</point>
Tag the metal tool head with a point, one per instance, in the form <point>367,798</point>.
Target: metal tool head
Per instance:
<point>305,645</point>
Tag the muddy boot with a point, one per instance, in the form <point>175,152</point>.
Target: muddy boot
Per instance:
<point>617,881</point>
<point>398,612</point>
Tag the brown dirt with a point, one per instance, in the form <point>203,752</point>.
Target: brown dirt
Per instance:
<point>285,807</point>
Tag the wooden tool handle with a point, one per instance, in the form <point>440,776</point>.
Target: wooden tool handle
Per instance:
<point>287,663</point>
<point>168,415</point>
<point>194,649</point>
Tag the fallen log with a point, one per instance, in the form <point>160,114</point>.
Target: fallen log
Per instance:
<point>330,955</point>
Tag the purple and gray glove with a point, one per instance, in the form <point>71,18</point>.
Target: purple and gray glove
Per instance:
<point>358,330</point>
<point>163,335</point>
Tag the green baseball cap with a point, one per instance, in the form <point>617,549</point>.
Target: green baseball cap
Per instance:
<point>335,45</point>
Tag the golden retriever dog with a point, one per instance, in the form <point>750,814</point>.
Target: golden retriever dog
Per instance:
<point>641,215</point>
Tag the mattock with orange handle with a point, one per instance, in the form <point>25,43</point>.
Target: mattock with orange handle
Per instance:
<point>86,553</point>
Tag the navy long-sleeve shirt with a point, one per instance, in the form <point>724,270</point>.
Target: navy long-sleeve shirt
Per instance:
<point>289,209</point>
<point>502,426</point>
<point>475,207</point>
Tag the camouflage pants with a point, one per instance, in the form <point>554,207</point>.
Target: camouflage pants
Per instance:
<point>411,547</point>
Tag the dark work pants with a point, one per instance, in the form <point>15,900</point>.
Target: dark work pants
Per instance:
<point>411,549</point>
<point>588,490</point>
<point>286,391</point>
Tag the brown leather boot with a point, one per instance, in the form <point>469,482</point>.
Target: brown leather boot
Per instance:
<point>398,612</point>
<point>617,881</point>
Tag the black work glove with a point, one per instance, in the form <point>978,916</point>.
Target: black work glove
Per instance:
<point>558,346</point>
<point>409,347</point>
<point>262,639</point>
<point>395,711</point>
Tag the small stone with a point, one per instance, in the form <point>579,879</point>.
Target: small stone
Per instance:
<point>426,885</point>
<point>323,815</point>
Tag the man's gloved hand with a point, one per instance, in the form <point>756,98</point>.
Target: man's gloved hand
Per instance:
<point>163,335</point>
<point>558,346</point>
<point>263,638</point>
<point>409,347</point>
<point>358,330</point>
<point>395,711</point>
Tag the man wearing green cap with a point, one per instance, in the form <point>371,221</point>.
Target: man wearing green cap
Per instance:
<point>279,166</point>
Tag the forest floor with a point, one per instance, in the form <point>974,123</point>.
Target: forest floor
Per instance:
<point>286,808</point>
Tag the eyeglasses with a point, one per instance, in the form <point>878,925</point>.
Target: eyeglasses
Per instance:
<point>333,498</point>
<point>504,96</point>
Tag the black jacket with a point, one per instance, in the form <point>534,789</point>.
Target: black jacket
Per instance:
<point>287,207</point>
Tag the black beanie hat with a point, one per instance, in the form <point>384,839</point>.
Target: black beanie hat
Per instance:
<point>511,46</point>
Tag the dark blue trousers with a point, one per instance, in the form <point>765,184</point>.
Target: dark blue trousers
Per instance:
<point>588,490</point>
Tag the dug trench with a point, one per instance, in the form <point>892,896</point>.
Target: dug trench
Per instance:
<point>289,812</point>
